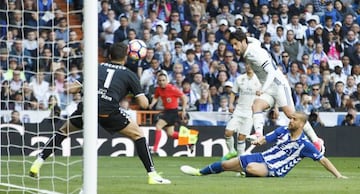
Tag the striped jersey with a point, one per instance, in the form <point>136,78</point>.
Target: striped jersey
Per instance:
<point>286,153</point>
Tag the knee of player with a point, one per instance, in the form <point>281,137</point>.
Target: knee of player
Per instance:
<point>135,136</point>
<point>250,169</point>
<point>259,105</point>
<point>226,165</point>
<point>228,133</point>
<point>241,137</point>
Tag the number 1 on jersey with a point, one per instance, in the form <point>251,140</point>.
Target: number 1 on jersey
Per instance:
<point>109,76</point>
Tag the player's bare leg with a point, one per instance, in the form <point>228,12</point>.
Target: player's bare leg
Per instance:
<point>214,168</point>
<point>257,169</point>
<point>51,145</point>
<point>232,165</point>
<point>133,131</point>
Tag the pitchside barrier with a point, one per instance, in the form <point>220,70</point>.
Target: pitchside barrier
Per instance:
<point>330,119</point>
<point>25,140</point>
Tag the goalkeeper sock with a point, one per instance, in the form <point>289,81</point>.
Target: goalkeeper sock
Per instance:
<point>144,154</point>
<point>213,168</point>
<point>230,143</point>
<point>175,135</point>
<point>157,139</point>
<point>52,144</point>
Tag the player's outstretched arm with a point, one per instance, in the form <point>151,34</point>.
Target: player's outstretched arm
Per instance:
<point>331,168</point>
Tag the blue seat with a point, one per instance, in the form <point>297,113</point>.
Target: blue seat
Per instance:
<point>201,123</point>
<point>341,117</point>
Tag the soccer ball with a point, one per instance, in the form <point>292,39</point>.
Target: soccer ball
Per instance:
<point>137,49</point>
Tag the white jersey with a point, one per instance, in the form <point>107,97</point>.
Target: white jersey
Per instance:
<point>263,65</point>
<point>246,87</point>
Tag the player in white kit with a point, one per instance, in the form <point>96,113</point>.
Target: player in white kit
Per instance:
<point>241,120</point>
<point>275,87</point>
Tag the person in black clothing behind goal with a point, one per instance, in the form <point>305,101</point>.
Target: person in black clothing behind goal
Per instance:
<point>114,82</point>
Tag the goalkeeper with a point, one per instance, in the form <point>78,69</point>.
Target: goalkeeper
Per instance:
<point>114,82</point>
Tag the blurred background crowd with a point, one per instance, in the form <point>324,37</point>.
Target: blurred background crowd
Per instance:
<point>315,43</point>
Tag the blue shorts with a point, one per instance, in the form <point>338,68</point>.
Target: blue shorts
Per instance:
<point>245,160</point>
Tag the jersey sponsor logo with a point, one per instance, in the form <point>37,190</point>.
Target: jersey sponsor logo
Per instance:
<point>102,93</point>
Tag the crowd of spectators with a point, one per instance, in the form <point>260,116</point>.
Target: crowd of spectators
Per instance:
<point>39,54</point>
<point>314,42</point>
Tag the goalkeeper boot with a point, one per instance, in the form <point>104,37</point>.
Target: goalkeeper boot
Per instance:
<point>156,179</point>
<point>229,155</point>
<point>190,170</point>
<point>35,168</point>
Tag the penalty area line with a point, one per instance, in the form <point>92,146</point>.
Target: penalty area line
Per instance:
<point>28,188</point>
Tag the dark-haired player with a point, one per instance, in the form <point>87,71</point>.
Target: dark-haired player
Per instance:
<point>114,82</point>
<point>275,87</point>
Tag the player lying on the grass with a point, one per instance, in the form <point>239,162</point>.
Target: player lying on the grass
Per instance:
<point>291,147</point>
<point>114,82</point>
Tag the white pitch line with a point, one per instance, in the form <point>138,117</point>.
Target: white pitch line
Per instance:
<point>28,188</point>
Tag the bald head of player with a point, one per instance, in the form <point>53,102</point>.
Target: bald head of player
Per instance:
<point>118,53</point>
<point>238,40</point>
<point>297,122</point>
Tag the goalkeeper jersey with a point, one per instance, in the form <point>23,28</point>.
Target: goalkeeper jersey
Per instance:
<point>114,83</point>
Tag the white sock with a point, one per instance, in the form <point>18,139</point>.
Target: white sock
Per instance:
<point>241,147</point>
<point>258,118</point>
<point>309,131</point>
<point>230,143</point>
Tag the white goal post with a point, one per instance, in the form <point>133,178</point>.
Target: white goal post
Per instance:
<point>90,96</point>
<point>19,146</point>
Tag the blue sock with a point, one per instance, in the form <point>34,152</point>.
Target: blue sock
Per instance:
<point>213,168</point>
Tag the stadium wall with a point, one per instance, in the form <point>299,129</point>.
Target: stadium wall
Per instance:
<point>16,140</point>
<point>330,119</point>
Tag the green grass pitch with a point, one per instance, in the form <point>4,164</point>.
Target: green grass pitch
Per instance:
<point>127,175</point>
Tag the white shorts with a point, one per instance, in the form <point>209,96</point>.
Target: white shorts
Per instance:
<point>241,125</point>
<point>279,94</point>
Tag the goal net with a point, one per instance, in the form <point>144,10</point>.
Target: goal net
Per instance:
<point>40,51</point>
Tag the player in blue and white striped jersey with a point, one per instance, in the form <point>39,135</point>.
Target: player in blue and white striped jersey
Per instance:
<point>290,148</point>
